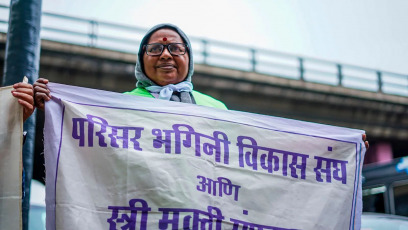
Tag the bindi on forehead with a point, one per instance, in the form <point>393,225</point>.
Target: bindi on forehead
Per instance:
<point>165,35</point>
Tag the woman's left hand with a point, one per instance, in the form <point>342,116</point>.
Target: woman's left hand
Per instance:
<point>24,93</point>
<point>365,141</point>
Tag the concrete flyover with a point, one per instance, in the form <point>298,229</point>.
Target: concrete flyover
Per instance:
<point>383,116</point>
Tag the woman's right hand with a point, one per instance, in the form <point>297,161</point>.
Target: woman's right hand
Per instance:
<point>41,93</point>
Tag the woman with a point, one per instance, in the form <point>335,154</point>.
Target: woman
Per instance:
<point>163,70</point>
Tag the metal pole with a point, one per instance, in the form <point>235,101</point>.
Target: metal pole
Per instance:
<point>301,69</point>
<point>253,60</point>
<point>93,33</point>
<point>205,53</point>
<point>339,75</point>
<point>22,59</point>
<point>380,82</point>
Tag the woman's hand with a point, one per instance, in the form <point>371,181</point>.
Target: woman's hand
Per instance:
<point>41,93</point>
<point>365,141</point>
<point>24,93</point>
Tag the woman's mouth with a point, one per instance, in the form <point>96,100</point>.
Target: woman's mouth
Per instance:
<point>166,66</point>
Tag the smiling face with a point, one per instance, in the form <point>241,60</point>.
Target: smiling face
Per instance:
<point>166,69</point>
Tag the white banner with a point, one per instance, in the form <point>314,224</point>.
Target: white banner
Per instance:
<point>117,161</point>
<point>11,147</point>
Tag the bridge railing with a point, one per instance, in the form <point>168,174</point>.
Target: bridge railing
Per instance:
<point>124,38</point>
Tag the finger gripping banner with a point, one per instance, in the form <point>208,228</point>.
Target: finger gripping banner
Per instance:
<point>119,161</point>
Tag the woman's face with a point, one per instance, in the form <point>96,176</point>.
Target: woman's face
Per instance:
<point>166,69</point>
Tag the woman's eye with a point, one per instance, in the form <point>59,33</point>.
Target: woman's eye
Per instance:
<point>177,48</point>
<point>154,49</point>
<point>174,49</point>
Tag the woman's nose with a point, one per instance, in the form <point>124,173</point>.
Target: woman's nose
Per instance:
<point>166,53</point>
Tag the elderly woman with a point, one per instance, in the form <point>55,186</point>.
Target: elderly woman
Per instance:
<point>163,70</point>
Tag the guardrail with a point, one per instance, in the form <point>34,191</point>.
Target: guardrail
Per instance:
<point>105,35</point>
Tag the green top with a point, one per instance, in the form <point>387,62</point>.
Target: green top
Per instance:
<point>200,98</point>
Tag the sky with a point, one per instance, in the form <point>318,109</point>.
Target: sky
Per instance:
<point>368,33</point>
